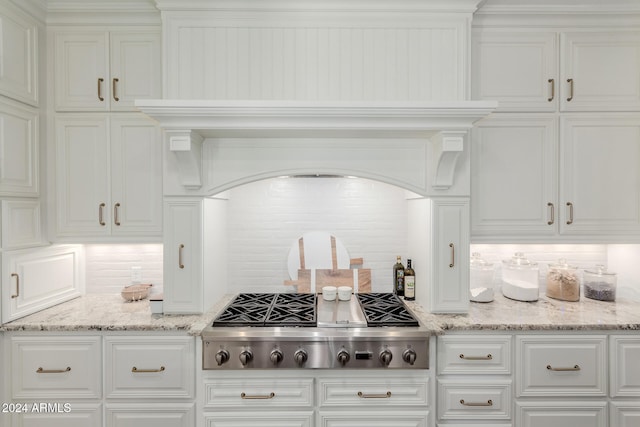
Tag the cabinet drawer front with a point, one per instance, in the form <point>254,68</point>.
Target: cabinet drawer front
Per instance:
<point>625,369</point>
<point>466,401</point>
<point>78,415</point>
<point>146,367</point>
<point>56,367</point>
<point>373,419</point>
<point>555,413</point>
<point>390,391</point>
<point>148,415</point>
<point>625,414</point>
<point>561,365</point>
<point>474,354</point>
<point>263,392</point>
<point>259,419</point>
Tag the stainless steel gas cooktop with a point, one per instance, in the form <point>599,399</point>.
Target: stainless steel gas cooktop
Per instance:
<point>269,331</point>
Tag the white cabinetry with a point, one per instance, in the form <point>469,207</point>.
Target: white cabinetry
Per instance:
<point>624,353</point>
<point>36,279</point>
<point>550,71</point>
<point>105,70</point>
<point>474,378</point>
<point>18,55</point>
<point>108,176</point>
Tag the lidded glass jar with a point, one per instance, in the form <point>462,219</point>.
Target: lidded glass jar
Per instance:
<point>563,282</point>
<point>480,279</point>
<point>520,279</point>
<point>599,284</point>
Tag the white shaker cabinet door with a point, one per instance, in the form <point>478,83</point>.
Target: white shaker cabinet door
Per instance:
<point>600,174</point>
<point>514,183</point>
<point>136,177</point>
<point>135,68</point>
<point>518,69</point>
<point>81,71</point>
<point>82,176</point>
<point>599,71</point>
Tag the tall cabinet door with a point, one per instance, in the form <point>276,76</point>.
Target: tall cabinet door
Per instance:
<point>600,174</point>
<point>82,176</point>
<point>81,71</point>
<point>514,176</point>
<point>136,176</point>
<point>599,71</point>
<point>135,68</point>
<point>183,253</point>
<point>19,147</point>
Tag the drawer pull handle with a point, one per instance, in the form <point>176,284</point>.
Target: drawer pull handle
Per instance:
<point>52,371</point>
<point>374,396</point>
<point>17,294</point>
<point>180,262</point>
<point>136,370</point>
<point>570,81</point>
<point>101,214</point>
<point>116,217</point>
<point>553,213</point>
<point>570,206</point>
<point>487,357</point>
<point>259,396</point>
<point>487,403</point>
<point>453,255</point>
<point>574,368</point>
<point>553,89</point>
<point>113,89</point>
<point>100,97</point>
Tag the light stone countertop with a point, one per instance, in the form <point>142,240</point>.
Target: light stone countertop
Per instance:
<point>109,312</point>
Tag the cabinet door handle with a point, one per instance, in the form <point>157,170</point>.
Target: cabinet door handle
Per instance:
<point>258,396</point>
<point>17,294</point>
<point>453,255</point>
<point>570,206</point>
<point>570,81</point>
<point>100,97</point>
<point>180,263</point>
<point>143,371</point>
<point>553,89</point>
<point>574,368</point>
<point>113,89</point>
<point>101,214</point>
<point>487,403</point>
<point>374,396</point>
<point>116,209</point>
<point>487,357</point>
<point>52,371</point>
<point>553,213</point>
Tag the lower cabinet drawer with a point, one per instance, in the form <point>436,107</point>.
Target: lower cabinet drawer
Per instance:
<point>258,392</point>
<point>150,415</point>
<point>561,365</point>
<point>261,419</point>
<point>401,418</point>
<point>387,391</point>
<point>625,369</point>
<point>56,367</point>
<point>462,400</point>
<point>561,413</point>
<point>149,367</point>
<point>625,414</point>
<point>60,415</point>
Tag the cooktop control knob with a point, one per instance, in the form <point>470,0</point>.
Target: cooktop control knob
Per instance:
<point>300,356</point>
<point>343,357</point>
<point>276,356</point>
<point>385,357</point>
<point>409,356</point>
<point>245,357</point>
<point>222,356</point>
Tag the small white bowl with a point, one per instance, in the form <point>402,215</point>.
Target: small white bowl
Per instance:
<point>329,293</point>
<point>344,293</point>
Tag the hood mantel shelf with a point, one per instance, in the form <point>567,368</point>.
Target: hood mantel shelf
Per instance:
<point>188,122</point>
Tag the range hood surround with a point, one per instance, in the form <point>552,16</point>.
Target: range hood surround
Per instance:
<point>212,146</point>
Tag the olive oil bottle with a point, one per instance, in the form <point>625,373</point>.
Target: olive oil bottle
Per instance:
<point>409,282</point>
<point>398,277</point>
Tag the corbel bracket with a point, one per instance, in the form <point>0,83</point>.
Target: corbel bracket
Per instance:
<point>447,146</point>
<point>186,145</point>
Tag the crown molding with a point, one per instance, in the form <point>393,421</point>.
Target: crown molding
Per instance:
<point>101,12</point>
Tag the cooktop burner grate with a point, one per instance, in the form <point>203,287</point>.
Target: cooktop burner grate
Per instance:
<point>384,309</point>
<point>269,310</point>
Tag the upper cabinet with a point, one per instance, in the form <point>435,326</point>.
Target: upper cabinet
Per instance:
<point>18,55</point>
<point>106,70</point>
<point>545,71</point>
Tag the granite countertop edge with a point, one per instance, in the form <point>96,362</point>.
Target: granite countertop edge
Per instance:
<point>109,313</point>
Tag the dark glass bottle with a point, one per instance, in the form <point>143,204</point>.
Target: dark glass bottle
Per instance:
<point>398,277</point>
<point>409,282</point>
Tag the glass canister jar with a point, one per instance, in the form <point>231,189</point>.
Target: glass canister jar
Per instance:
<point>520,278</point>
<point>480,279</point>
<point>599,284</point>
<point>563,282</point>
